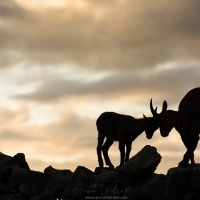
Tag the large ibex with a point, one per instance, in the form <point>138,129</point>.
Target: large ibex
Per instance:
<point>122,128</point>
<point>186,121</point>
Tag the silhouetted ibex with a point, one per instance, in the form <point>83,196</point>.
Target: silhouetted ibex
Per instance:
<point>186,121</point>
<point>122,128</point>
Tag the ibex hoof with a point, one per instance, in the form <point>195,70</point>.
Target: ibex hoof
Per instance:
<point>183,164</point>
<point>111,167</point>
<point>118,167</point>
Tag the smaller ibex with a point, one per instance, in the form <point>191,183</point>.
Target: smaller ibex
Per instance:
<point>122,128</point>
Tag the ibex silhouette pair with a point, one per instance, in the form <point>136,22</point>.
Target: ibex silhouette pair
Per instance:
<point>125,128</point>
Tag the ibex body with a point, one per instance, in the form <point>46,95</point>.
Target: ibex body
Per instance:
<point>124,129</point>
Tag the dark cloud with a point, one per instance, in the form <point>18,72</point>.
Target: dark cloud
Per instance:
<point>109,35</point>
<point>10,9</point>
<point>11,17</point>
<point>170,84</point>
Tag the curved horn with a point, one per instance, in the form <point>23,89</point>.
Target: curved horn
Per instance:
<point>153,111</point>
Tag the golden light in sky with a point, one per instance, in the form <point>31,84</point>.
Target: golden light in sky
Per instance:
<point>31,4</point>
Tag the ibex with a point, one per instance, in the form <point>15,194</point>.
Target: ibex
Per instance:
<point>186,121</point>
<point>122,128</point>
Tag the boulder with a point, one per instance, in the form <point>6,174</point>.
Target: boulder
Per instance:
<point>36,197</point>
<point>16,161</point>
<point>154,189</point>
<point>149,188</point>
<point>7,164</point>
<point>5,173</point>
<point>29,182</point>
<point>77,188</point>
<point>183,183</point>
<point>4,159</point>
<point>143,164</point>
<point>105,183</point>
<point>135,180</point>
<point>11,197</point>
<point>56,180</point>
<point>133,190</point>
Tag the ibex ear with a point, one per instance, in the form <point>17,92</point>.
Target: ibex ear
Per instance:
<point>164,108</point>
<point>144,116</point>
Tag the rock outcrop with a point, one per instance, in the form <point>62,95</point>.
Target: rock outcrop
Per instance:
<point>183,183</point>
<point>139,167</point>
<point>134,180</point>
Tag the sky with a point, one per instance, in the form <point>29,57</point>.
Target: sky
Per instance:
<point>63,63</point>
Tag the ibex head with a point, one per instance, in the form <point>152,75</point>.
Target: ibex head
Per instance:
<point>152,125</point>
<point>163,118</point>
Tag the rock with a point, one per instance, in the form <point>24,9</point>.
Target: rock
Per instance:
<point>11,197</point>
<point>29,182</point>
<point>56,180</point>
<point>16,161</point>
<point>134,180</point>
<point>7,164</point>
<point>105,182</point>
<point>133,190</point>
<point>4,159</point>
<point>36,197</point>
<point>149,188</point>
<point>154,189</point>
<point>98,170</point>
<point>77,188</point>
<point>5,173</point>
<point>143,164</point>
<point>183,183</point>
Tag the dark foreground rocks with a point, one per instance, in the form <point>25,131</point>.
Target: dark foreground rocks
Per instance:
<point>135,180</point>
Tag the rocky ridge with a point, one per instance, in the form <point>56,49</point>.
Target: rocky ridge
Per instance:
<point>134,180</point>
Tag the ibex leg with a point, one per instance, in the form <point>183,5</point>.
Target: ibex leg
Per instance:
<point>185,160</point>
<point>195,141</point>
<point>106,147</point>
<point>191,144</point>
<point>99,148</point>
<point>122,153</point>
<point>128,150</point>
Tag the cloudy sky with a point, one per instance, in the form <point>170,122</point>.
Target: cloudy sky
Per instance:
<point>64,62</point>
